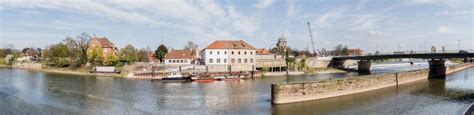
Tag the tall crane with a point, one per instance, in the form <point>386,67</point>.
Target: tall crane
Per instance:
<point>311,38</point>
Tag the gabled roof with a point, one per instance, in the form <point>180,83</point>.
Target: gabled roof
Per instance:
<point>262,51</point>
<point>104,42</point>
<point>229,44</point>
<point>179,54</point>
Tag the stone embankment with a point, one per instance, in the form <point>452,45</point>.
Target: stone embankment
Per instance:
<point>313,90</point>
<point>27,65</point>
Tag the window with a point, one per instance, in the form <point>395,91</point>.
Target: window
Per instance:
<point>174,61</point>
<point>245,53</point>
<point>238,52</point>
<point>225,52</point>
<point>182,61</point>
<point>245,60</point>
<point>218,52</point>
<point>232,52</point>
<point>251,53</point>
<point>169,61</point>
<point>218,60</point>
<point>211,61</point>
<point>240,61</point>
<point>185,61</point>
<point>232,60</point>
<point>251,60</point>
<point>225,60</point>
<point>210,52</point>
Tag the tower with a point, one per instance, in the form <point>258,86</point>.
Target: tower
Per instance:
<point>282,42</point>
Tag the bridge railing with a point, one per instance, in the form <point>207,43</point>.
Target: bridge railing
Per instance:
<point>418,52</point>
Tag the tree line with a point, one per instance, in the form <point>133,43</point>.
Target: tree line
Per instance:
<point>75,52</point>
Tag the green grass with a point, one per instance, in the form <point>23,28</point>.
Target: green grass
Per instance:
<point>2,61</point>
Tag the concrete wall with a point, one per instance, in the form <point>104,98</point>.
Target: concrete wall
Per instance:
<point>312,90</point>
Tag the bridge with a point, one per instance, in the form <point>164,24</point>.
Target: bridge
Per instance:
<point>436,61</point>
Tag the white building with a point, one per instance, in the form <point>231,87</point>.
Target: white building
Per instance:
<point>229,52</point>
<point>179,57</point>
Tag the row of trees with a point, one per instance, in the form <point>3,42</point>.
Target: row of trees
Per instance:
<point>75,52</point>
<point>70,52</point>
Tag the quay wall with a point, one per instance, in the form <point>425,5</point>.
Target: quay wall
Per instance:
<point>313,90</point>
<point>27,65</point>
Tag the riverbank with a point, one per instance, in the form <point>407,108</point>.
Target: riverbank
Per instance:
<point>79,71</point>
<point>5,66</point>
<point>320,89</point>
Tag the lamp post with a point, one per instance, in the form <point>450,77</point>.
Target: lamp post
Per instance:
<point>287,67</point>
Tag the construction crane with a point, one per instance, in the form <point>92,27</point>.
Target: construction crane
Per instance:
<point>311,38</point>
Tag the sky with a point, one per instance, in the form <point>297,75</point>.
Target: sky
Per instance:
<point>385,25</point>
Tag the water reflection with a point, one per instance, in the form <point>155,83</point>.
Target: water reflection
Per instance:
<point>28,92</point>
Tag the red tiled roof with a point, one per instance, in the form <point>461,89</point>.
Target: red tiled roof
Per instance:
<point>262,51</point>
<point>229,44</point>
<point>179,54</point>
<point>104,42</point>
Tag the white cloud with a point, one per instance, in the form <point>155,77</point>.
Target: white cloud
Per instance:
<point>443,29</point>
<point>204,18</point>
<point>292,11</point>
<point>375,32</point>
<point>264,3</point>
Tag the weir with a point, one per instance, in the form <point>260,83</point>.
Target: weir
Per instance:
<point>320,89</point>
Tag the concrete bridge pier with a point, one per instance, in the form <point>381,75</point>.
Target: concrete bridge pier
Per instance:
<point>466,60</point>
<point>363,66</point>
<point>437,69</point>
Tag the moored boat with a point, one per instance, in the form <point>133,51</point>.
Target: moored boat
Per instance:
<point>176,77</point>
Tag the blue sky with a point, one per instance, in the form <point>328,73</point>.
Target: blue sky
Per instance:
<point>366,24</point>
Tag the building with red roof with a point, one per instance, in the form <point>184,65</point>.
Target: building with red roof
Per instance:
<point>108,48</point>
<point>229,52</point>
<point>179,57</point>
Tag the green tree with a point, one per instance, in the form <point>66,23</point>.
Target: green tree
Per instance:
<point>143,55</point>
<point>57,55</point>
<point>266,68</point>
<point>160,52</point>
<point>94,55</point>
<point>291,63</point>
<point>111,60</point>
<point>302,64</point>
<point>78,49</point>
<point>128,54</point>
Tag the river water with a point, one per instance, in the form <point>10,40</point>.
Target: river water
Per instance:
<point>31,92</point>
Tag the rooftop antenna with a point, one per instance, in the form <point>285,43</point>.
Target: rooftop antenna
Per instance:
<point>162,36</point>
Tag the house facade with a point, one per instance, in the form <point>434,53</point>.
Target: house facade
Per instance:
<point>274,62</point>
<point>108,48</point>
<point>229,52</point>
<point>179,57</point>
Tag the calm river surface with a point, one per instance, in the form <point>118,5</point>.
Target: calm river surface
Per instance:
<point>30,92</point>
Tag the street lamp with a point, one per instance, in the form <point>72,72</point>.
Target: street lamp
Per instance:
<point>287,67</point>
